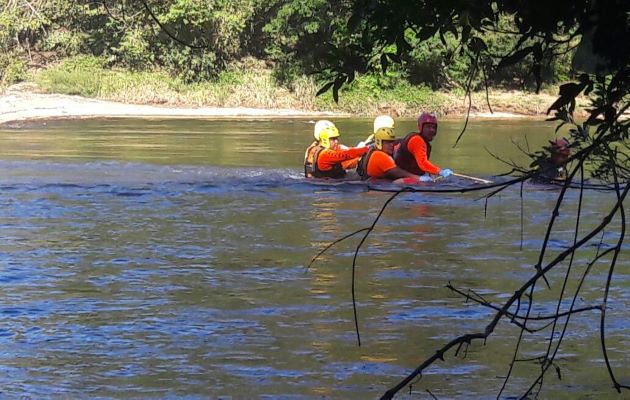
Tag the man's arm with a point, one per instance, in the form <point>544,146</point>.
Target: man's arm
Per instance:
<point>328,158</point>
<point>418,148</point>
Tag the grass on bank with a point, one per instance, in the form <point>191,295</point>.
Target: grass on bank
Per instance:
<point>251,84</point>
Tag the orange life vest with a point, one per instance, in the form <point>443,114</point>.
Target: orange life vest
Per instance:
<point>309,154</point>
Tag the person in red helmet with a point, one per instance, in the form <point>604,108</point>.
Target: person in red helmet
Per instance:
<point>413,152</point>
<point>378,162</point>
<point>551,168</point>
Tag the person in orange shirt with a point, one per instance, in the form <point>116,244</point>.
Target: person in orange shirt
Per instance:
<point>378,162</point>
<point>329,156</point>
<point>413,152</point>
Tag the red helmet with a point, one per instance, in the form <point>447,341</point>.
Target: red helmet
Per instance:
<point>560,143</point>
<point>426,118</point>
<point>560,146</point>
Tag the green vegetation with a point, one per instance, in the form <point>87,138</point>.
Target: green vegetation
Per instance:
<point>236,53</point>
<point>251,84</point>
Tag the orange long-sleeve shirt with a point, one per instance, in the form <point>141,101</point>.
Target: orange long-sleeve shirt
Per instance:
<point>418,148</point>
<point>327,158</point>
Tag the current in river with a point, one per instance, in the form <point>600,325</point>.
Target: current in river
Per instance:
<point>167,259</point>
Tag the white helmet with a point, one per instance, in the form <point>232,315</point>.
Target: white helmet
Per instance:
<point>320,126</point>
<point>383,121</point>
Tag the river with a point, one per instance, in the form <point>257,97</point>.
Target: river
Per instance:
<point>167,259</point>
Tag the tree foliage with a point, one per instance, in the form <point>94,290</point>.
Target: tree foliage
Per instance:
<point>196,40</point>
<point>193,39</point>
<point>493,35</point>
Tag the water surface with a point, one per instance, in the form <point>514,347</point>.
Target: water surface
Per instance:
<point>166,259</point>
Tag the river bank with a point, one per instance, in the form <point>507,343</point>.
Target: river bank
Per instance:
<point>26,102</point>
<point>83,88</point>
<point>21,103</point>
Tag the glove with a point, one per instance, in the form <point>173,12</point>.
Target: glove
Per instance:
<point>425,178</point>
<point>444,173</point>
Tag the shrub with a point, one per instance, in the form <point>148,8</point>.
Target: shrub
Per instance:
<point>76,75</point>
<point>64,42</point>
<point>12,69</point>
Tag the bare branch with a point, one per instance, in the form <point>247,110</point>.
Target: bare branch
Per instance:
<point>516,316</point>
<point>331,245</point>
<point>602,328</point>
<point>389,394</point>
<point>356,253</point>
<point>168,33</point>
<point>468,94</point>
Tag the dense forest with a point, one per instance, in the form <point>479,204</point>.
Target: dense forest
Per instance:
<point>194,42</point>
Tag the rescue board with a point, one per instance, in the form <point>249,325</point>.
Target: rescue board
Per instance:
<point>387,185</point>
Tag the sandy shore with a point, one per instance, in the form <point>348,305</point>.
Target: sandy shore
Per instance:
<point>19,104</point>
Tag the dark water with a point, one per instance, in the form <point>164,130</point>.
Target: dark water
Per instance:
<point>166,259</point>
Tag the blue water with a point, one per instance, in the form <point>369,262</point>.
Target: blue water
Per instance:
<point>127,278</point>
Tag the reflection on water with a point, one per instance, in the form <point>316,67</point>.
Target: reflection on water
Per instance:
<point>167,259</point>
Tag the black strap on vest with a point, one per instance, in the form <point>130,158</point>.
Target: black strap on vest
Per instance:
<point>363,163</point>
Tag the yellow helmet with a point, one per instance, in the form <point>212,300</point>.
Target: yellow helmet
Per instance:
<point>383,134</point>
<point>383,121</point>
<point>326,134</point>
<point>320,126</point>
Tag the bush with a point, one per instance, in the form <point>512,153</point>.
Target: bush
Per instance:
<point>65,43</point>
<point>77,75</point>
<point>370,94</point>
<point>12,69</point>
<point>133,51</point>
